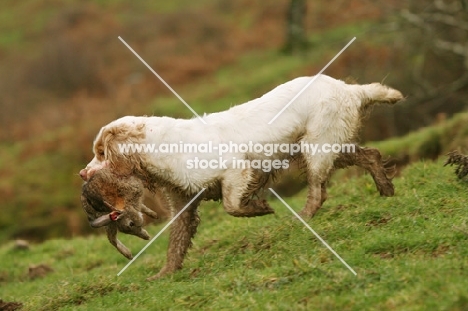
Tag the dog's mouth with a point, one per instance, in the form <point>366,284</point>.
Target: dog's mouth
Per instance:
<point>87,173</point>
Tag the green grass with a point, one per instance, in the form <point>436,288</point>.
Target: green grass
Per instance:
<point>409,252</point>
<point>429,142</point>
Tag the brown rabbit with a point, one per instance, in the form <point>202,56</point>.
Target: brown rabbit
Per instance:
<point>116,203</point>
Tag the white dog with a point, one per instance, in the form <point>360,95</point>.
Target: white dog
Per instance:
<point>328,112</point>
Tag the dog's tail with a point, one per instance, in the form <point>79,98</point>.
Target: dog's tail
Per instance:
<point>376,93</point>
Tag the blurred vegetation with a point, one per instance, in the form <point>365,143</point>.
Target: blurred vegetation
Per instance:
<point>64,74</point>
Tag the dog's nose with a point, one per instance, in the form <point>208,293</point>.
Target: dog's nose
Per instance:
<point>84,174</point>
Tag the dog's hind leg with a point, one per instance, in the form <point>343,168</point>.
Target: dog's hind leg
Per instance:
<point>238,188</point>
<point>183,229</point>
<point>370,159</point>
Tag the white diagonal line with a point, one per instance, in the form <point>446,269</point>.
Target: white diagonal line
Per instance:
<point>312,230</point>
<point>162,80</point>
<point>311,81</point>
<point>160,232</point>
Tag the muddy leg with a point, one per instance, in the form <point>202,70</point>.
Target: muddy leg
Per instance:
<point>313,200</point>
<point>238,187</point>
<point>323,193</point>
<point>183,229</point>
<point>370,160</point>
<point>318,170</point>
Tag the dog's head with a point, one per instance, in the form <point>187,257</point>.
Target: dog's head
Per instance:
<point>112,149</point>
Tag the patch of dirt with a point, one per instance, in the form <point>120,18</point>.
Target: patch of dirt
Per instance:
<point>385,255</point>
<point>3,276</point>
<point>93,265</point>
<point>22,245</point>
<point>208,246</point>
<point>342,207</point>
<point>378,222</point>
<point>10,306</point>
<point>441,250</point>
<point>39,271</point>
<point>336,210</point>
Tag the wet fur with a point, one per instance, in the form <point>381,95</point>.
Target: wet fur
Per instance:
<point>329,111</point>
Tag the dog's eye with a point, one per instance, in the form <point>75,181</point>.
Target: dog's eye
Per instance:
<point>131,224</point>
<point>101,153</point>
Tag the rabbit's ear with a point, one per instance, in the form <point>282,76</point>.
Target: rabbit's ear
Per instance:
<point>104,220</point>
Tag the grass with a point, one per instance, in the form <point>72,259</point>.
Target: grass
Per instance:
<point>409,252</point>
<point>429,142</point>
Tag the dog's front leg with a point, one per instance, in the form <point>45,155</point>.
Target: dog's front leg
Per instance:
<point>319,168</point>
<point>183,229</point>
<point>314,199</point>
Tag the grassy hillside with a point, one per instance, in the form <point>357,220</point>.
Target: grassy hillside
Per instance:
<point>429,142</point>
<point>409,252</point>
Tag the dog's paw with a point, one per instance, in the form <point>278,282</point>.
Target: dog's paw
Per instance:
<point>260,208</point>
<point>154,277</point>
<point>165,271</point>
<point>306,214</point>
<point>386,189</point>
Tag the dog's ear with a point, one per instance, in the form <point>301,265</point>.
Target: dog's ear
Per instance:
<point>118,144</point>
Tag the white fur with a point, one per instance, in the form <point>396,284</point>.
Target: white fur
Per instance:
<point>328,111</point>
